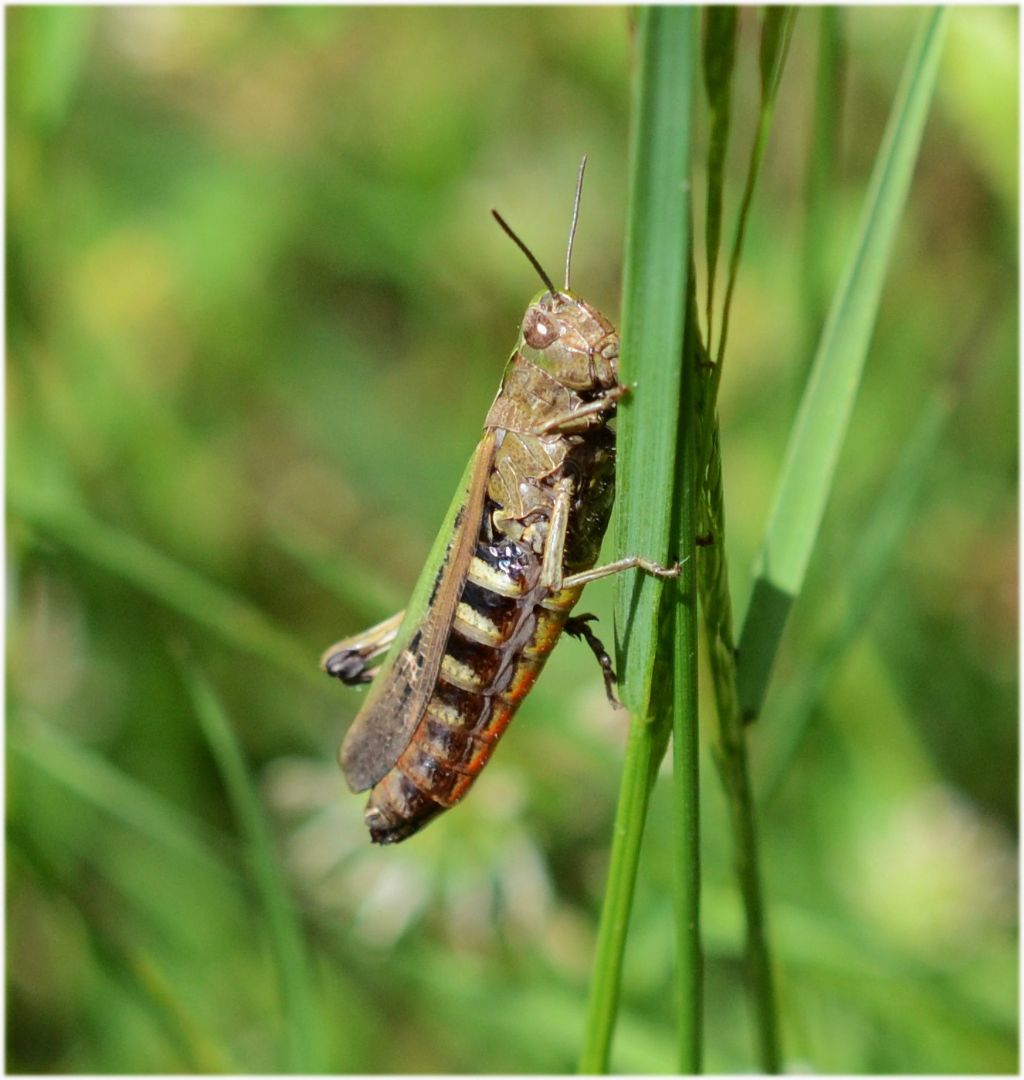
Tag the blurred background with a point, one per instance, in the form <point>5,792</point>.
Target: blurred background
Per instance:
<point>256,311</point>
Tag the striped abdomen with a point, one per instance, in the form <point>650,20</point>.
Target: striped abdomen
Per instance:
<point>505,626</point>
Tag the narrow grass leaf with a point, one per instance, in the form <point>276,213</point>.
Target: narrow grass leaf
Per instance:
<point>825,409</point>
<point>654,298</point>
<point>302,1015</point>
<point>653,306</point>
<point>234,620</point>
<point>719,59</point>
<point>124,799</point>
<point>681,621</point>
<point>640,765</point>
<point>822,177</point>
<point>148,984</point>
<point>776,31</point>
<point>877,542</point>
<point>775,34</point>
<point>729,743</point>
<point>827,954</point>
<point>109,923</point>
<point>48,46</point>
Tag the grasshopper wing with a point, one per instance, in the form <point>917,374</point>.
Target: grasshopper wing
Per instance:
<point>402,687</point>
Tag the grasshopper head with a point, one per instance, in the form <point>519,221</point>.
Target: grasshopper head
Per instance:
<point>562,334</point>
<point>571,341</point>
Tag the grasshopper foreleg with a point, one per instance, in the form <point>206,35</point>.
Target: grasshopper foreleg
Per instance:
<point>576,626</point>
<point>551,577</point>
<point>350,658</point>
<point>569,421</point>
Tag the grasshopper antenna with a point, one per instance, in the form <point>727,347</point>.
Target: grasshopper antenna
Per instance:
<point>527,252</point>
<point>575,218</point>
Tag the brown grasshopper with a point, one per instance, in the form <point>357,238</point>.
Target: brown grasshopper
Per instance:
<point>518,544</point>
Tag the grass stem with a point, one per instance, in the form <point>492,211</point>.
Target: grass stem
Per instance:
<point>642,757</point>
<point>653,316</point>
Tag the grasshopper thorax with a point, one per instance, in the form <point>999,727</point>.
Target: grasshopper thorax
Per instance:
<point>571,341</point>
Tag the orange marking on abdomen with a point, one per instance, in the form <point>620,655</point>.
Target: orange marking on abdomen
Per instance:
<point>461,727</point>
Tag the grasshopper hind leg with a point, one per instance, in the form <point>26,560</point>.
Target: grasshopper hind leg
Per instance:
<point>349,666</point>
<point>576,626</point>
<point>350,658</point>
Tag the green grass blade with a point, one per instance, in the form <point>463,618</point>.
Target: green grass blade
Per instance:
<point>731,758</point>
<point>123,798</point>
<point>675,699</point>
<point>729,743</point>
<point>653,308</point>
<point>681,618</point>
<point>775,34</point>
<point>877,542</point>
<point>776,31</point>
<point>641,763</point>
<point>302,1017</point>
<point>719,59</point>
<point>822,176</point>
<point>148,984</point>
<point>47,59</point>
<point>234,620</point>
<point>654,297</point>
<point>117,959</point>
<point>825,409</point>
<point>730,753</point>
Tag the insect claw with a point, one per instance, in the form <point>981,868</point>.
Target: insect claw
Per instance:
<point>672,571</point>
<point>577,627</point>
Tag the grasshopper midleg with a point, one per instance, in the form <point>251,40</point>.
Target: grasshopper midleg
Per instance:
<point>552,578</point>
<point>630,562</point>
<point>554,547</point>
<point>576,626</point>
<point>551,573</point>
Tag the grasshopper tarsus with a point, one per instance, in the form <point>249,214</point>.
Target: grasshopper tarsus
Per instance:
<point>349,659</point>
<point>576,626</point>
<point>349,667</point>
<point>656,569</point>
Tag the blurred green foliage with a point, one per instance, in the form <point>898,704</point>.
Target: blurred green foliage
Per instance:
<point>256,311</point>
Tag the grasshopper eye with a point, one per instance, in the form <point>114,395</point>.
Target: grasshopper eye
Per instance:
<point>538,330</point>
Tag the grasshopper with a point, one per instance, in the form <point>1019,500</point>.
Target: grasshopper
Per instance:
<point>517,546</point>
